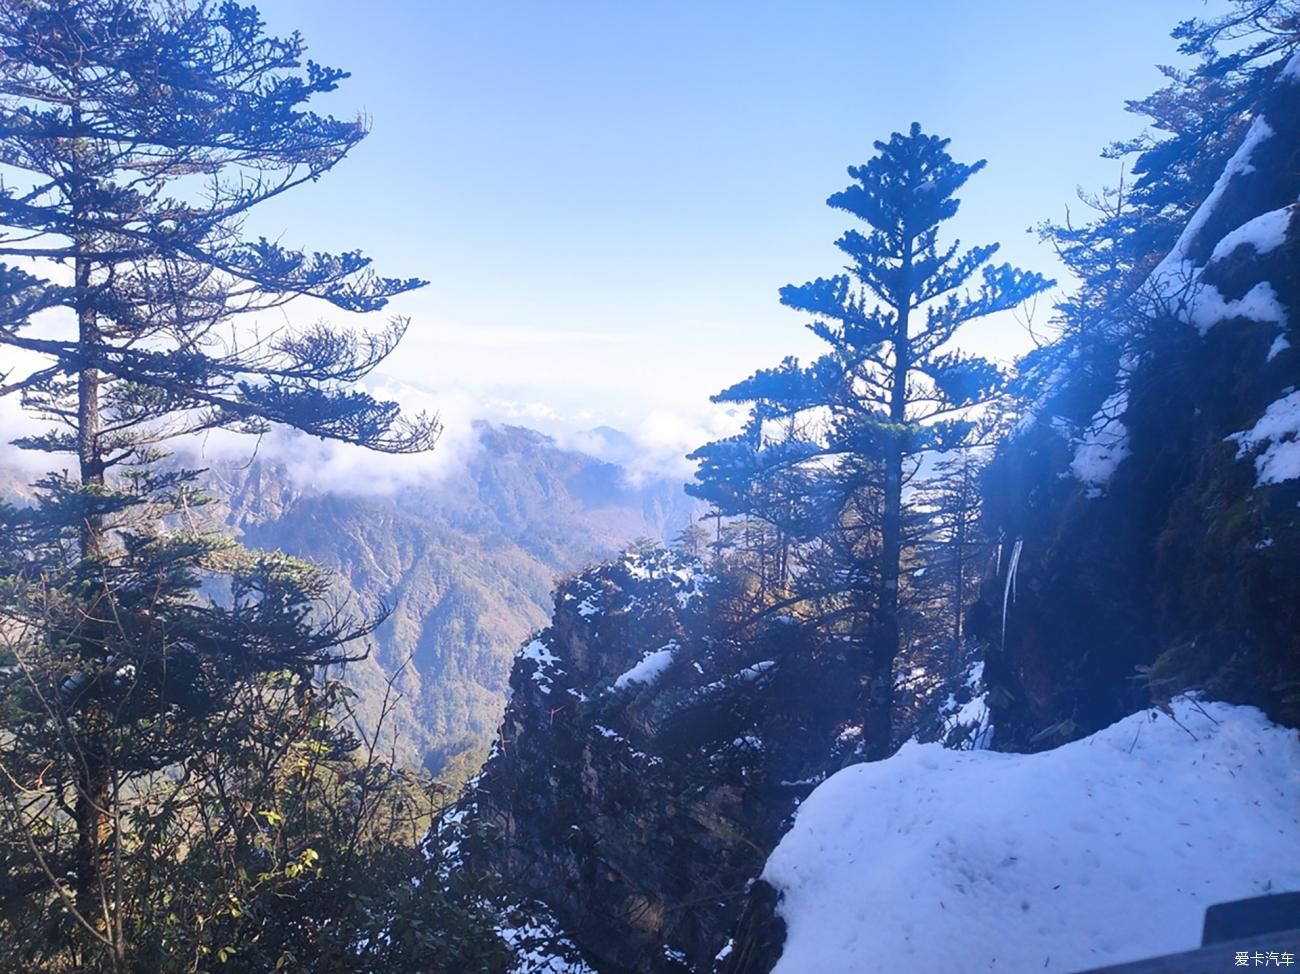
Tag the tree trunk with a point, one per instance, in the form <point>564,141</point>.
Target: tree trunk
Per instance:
<point>94,770</point>
<point>878,730</point>
<point>94,841</point>
<point>959,592</point>
<point>878,718</point>
<point>88,449</point>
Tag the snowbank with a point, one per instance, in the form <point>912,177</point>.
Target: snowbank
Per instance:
<point>1104,850</point>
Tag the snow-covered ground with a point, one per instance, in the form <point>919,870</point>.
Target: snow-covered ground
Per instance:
<point>1104,850</point>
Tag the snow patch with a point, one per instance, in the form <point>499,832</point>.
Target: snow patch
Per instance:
<point>539,652</point>
<point>972,718</point>
<point>543,672</point>
<point>538,944</point>
<point>1238,165</point>
<point>1265,233</point>
<point>755,670</point>
<point>686,576</point>
<point>747,675</point>
<point>1206,307</point>
<point>1105,444</point>
<point>650,667</point>
<point>1277,431</point>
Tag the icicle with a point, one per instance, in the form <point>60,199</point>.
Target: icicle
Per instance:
<point>1009,592</point>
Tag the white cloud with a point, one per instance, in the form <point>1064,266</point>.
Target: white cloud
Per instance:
<point>330,466</point>
<point>561,382</point>
<point>16,421</point>
<point>667,435</point>
<point>655,443</point>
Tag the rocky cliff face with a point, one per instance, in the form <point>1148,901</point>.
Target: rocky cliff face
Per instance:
<point>648,759</point>
<point>1149,516</point>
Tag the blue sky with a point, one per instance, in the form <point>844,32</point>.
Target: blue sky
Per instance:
<point>606,196</point>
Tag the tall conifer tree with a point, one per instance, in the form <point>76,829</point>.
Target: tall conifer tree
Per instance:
<point>138,137</point>
<point>848,428</point>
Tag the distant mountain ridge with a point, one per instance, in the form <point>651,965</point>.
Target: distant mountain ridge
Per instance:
<point>467,565</point>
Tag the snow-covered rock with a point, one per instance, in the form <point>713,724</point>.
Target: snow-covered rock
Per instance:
<point>1278,431</point>
<point>1104,850</point>
<point>649,667</point>
<point>1155,484</point>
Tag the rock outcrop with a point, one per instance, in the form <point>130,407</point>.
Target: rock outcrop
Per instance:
<point>648,761</point>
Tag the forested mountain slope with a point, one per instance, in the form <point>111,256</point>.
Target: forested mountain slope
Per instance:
<point>649,756</point>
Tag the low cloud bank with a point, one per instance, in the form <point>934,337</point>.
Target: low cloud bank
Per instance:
<point>648,446</point>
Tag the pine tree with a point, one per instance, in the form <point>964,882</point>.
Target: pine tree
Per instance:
<point>692,540</point>
<point>142,136</point>
<point>829,446</point>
